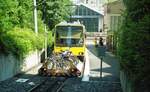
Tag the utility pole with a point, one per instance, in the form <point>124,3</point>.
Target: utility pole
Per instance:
<point>35,17</point>
<point>46,33</point>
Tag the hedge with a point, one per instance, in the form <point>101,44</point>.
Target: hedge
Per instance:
<point>20,42</point>
<point>134,44</point>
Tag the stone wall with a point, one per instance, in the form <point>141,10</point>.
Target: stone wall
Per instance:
<point>10,66</point>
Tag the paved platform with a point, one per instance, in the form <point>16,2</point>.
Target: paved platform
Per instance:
<point>110,65</point>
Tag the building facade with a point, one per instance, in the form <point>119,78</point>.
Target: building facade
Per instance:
<point>112,22</point>
<point>91,18</point>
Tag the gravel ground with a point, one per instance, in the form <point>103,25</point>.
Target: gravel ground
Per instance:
<point>11,85</point>
<point>76,85</point>
<point>48,83</point>
<point>70,85</point>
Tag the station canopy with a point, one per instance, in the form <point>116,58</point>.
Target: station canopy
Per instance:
<point>90,17</point>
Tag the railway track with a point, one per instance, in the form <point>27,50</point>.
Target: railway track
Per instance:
<point>49,85</point>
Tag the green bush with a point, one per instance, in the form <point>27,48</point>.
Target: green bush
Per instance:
<point>21,41</point>
<point>17,25</point>
<point>134,44</point>
<point>134,51</point>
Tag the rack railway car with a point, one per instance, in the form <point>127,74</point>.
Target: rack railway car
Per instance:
<point>71,37</point>
<point>68,54</point>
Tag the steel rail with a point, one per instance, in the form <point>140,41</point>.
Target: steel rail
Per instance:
<point>61,86</point>
<point>54,87</point>
<point>35,87</point>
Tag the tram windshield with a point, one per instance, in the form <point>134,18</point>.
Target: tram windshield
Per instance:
<point>69,36</point>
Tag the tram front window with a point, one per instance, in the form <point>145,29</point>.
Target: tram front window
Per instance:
<point>69,42</point>
<point>69,36</point>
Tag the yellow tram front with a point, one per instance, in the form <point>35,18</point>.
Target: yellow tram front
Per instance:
<point>70,36</point>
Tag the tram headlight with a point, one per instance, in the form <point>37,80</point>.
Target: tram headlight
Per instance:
<point>81,53</point>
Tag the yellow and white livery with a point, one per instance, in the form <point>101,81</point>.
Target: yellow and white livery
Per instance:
<point>70,36</point>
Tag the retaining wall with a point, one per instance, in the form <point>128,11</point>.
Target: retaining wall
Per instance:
<point>10,66</point>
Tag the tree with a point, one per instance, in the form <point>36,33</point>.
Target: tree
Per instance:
<point>16,27</point>
<point>15,13</point>
<point>55,12</point>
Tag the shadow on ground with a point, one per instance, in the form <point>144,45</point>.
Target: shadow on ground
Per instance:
<point>110,65</point>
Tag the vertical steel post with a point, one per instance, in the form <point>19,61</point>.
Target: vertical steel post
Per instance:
<point>101,54</point>
<point>101,71</point>
<point>101,68</point>
<point>35,17</point>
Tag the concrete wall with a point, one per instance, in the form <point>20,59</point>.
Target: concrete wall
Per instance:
<point>126,84</point>
<point>10,66</point>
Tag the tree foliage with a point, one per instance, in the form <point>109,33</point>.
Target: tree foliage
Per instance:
<point>54,11</point>
<point>134,43</point>
<point>17,25</point>
<point>137,9</point>
<point>15,13</point>
<point>16,28</point>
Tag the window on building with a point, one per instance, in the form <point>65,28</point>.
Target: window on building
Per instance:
<point>115,22</point>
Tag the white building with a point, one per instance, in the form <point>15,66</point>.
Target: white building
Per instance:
<point>95,4</point>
